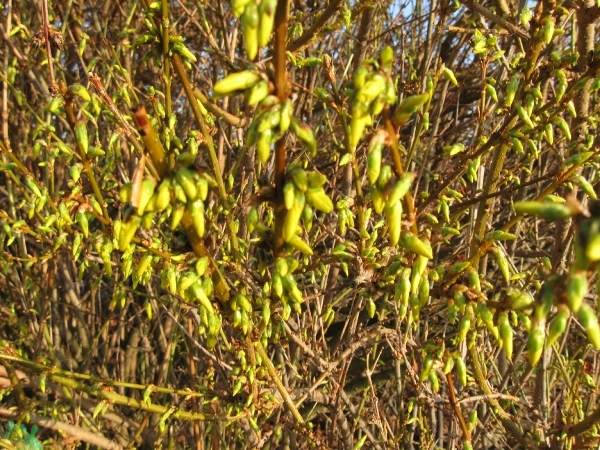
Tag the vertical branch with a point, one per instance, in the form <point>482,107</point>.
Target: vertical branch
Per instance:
<point>399,170</point>
<point>189,92</point>
<point>179,69</point>
<point>166,59</point>
<point>483,213</point>
<point>456,408</point>
<point>151,141</point>
<point>5,82</point>
<point>282,92</point>
<point>87,165</point>
<point>361,38</point>
<point>191,349</point>
<point>5,137</point>
<point>585,45</point>
<point>504,418</point>
<point>46,31</point>
<point>158,159</point>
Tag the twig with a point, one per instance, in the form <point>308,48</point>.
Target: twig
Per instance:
<point>476,398</point>
<point>5,136</point>
<point>474,6</point>
<point>266,362</point>
<point>128,129</point>
<point>507,421</point>
<point>281,89</point>
<point>46,31</point>
<point>189,92</point>
<point>87,166</point>
<point>191,338</point>
<point>457,411</point>
<point>221,113</point>
<point>319,24</point>
<point>399,170</point>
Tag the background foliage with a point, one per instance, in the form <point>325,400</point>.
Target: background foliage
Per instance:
<point>395,249</point>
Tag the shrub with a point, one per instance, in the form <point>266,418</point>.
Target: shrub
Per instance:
<point>292,224</point>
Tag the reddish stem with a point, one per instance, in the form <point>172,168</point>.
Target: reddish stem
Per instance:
<point>281,81</point>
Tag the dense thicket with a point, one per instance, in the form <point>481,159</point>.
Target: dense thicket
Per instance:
<point>273,224</point>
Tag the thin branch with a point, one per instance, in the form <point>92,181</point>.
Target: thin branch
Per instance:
<point>189,92</point>
<point>281,89</point>
<point>456,407</point>
<point>221,113</point>
<point>268,365</point>
<point>46,32</point>
<point>507,420</point>
<point>309,35</point>
<point>476,7</point>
